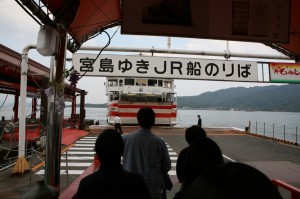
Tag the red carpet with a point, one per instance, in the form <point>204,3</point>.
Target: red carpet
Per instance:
<point>69,136</point>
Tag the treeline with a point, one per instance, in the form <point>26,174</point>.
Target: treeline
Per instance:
<point>266,98</point>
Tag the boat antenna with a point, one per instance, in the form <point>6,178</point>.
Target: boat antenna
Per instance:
<point>169,42</point>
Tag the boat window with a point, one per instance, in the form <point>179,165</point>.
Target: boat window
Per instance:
<point>168,84</point>
<point>120,82</point>
<point>141,82</point>
<point>152,82</point>
<point>129,81</point>
<point>112,82</point>
<point>114,95</point>
<point>160,83</point>
<point>111,97</point>
<point>141,98</point>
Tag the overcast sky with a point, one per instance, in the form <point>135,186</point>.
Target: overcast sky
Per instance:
<point>18,29</point>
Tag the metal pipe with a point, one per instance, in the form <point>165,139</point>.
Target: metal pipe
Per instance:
<point>284,132</point>
<point>55,116</point>
<point>186,52</point>
<point>36,11</point>
<point>23,93</point>
<point>296,134</point>
<point>256,127</point>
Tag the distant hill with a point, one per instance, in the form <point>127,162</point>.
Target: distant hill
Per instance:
<point>267,98</point>
<point>95,105</point>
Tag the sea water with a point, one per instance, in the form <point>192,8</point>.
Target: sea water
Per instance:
<point>285,125</point>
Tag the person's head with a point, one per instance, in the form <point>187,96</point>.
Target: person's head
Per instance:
<point>233,181</point>
<point>146,117</point>
<point>193,133</point>
<point>109,147</point>
<point>203,154</point>
<point>198,116</point>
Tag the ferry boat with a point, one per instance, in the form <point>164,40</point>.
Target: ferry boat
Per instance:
<point>126,95</point>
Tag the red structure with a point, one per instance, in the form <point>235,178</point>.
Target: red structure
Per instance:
<point>37,80</point>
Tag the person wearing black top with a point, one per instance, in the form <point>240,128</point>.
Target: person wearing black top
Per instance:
<point>111,181</point>
<point>191,134</point>
<point>199,121</point>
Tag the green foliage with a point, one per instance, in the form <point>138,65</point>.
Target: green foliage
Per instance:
<point>267,98</point>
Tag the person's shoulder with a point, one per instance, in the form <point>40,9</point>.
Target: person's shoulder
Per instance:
<point>130,135</point>
<point>183,153</point>
<point>90,179</point>
<point>185,150</point>
<point>161,140</point>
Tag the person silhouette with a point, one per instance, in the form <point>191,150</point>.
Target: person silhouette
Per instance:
<point>191,134</point>
<point>233,180</point>
<point>111,180</point>
<point>202,154</point>
<point>118,124</point>
<point>147,154</point>
<point>199,123</point>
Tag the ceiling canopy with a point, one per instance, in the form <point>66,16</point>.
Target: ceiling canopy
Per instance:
<point>84,19</point>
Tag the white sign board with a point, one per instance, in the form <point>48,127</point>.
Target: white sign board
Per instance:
<point>164,67</point>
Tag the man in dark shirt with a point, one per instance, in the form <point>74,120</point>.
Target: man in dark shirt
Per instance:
<point>191,134</point>
<point>147,154</point>
<point>111,180</point>
<point>199,121</point>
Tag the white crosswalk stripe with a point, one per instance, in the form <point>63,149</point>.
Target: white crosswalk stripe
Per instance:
<point>78,158</point>
<point>81,148</point>
<point>81,156</point>
<point>173,157</point>
<point>91,145</point>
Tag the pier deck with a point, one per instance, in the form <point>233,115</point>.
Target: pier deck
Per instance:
<point>277,160</point>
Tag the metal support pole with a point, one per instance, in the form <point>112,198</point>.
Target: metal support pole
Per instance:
<point>67,166</point>
<point>273,130</point>
<point>249,129</point>
<point>44,102</point>
<point>33,108</point>
<point>54,117</point>
<point>23,93</point>
<point>284,132</point>
<point>264,128</point>
<point>16,106</point>
<point>256,127</point>
<point>82,110</point>
<point>186,52</point>
<point>296,134</point>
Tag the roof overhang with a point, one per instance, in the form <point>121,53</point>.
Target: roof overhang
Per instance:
<point>84,19</point>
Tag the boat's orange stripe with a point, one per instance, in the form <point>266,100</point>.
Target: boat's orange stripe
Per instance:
<point>157,115</point>
<point>142,105</point>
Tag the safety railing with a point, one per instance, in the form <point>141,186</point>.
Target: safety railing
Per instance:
<point>276,132</point>
<point>32,132</point>
<point>295,192</point>
<point>70,191</point>
<point>71,123</point>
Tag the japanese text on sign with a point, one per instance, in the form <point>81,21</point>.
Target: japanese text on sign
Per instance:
<point>165,67</point>
<point>285,72</point>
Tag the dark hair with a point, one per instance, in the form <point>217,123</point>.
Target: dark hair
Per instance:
<point>109,147</point>
<point>233,181</point>
<point>203,154</point>
<point>194,132</point>
<point>146,117</point>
